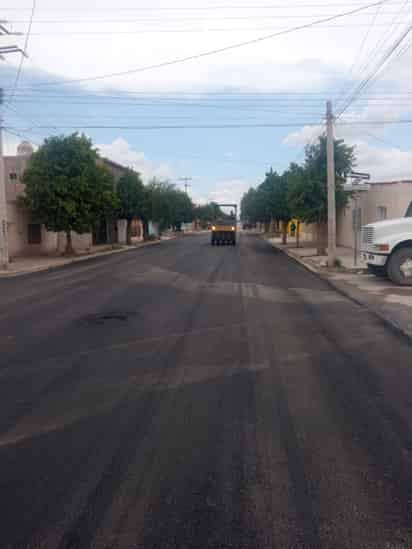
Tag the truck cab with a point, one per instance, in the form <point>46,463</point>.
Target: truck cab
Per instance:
<point>387,248</point>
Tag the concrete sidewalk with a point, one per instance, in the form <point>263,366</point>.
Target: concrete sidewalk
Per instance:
<point>392,304</point>
<point>25,265</point>
<point>308,253</point>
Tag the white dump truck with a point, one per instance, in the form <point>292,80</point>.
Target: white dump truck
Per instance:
<point>386,247</point>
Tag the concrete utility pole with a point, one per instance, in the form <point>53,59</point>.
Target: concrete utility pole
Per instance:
<point>185,182</point>
<point>4,242</point>
<point>330,155</point>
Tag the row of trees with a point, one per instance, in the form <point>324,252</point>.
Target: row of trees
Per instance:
<point>208,213</point>
<point>300,192</point>
<point>67,189</point>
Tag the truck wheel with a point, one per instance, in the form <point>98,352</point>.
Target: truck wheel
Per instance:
<point>400,267</point>
<point>377,270</point>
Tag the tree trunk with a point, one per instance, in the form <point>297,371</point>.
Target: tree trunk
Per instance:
<point>145,225</point>
<point>298,234</point>
<point>273,226</point>
<point>129,232</point>
<point>322,238</point>
<point>284,232</point>
<point>267,226</point>
<point>69,244</point>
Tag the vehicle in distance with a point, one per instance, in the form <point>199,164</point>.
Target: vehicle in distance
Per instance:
<point>387,248</point>
<point>224,232</point>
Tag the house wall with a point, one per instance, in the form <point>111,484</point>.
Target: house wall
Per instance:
<point>80,242</point>
<point>18,217</point>
<point>394,196</point>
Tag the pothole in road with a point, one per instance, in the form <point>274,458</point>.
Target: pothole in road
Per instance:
<point>109,316</point>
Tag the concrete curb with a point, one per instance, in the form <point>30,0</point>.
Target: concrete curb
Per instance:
<point>82,258</point>
<point>390,323</point>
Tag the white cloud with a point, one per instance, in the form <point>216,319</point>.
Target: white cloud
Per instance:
<point>297,60</point>
<point>229,191</point>
<point>120,151</point>
<point>303,136</point>
<point>11,142</point>
<point>384,164</point>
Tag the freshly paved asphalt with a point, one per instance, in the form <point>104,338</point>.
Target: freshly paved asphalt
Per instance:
<point>188,396</point>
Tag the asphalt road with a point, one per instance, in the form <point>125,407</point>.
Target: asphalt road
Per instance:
<point>188,396</point>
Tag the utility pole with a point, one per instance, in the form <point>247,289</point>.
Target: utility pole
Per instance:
<point>185,182</point>
<point>4,243</point>
<point>330,156</point>
<point>4,240</point>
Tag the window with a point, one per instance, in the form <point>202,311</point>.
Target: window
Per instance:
<point>13,176</point>
<point>34,233</point>
<point>382,213</point>
<point>409,211</point>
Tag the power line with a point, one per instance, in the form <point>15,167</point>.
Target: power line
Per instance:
<point>386,37</point>
<point>380,43</point>
<point>22,115</point>
<point>193,30</point>
<point>21,135</point>
<point>365,82</point>
<point>182,19</point>
<point>24,53</point>
<point>215,51</point>
<point>382,140</point>
<point>195,8</point>
<point>240,92</point>
<point>219,126</point>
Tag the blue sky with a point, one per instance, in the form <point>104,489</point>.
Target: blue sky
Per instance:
<point>284,81</point>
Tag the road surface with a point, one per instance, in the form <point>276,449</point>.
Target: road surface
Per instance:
<point>183,396</point>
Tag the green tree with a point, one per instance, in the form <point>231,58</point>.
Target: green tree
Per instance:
<point>252,206</point>
<point>208,213</point>
<point>166,205</point>
<point>65,189</point>
<point>131,197</point>
<point>181,208</point>
<point>276,189</point>
<point>308,196</point>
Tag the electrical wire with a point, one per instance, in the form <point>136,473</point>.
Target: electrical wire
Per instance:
<point>181,19</point>
<point>375,72</point>
<point>261,125</point>
<point>215,51</point>
<point>24,52</point>
<point>192,30</point>
<point>196,8</point>
<point>381,42</point>
<point>21,135</point>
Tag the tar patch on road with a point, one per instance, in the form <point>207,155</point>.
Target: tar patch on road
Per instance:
<point>108,317</point>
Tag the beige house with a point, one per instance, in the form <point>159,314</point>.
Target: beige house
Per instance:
<point>383,200</point>
<point>386,200</point>
<point>26,236</point>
